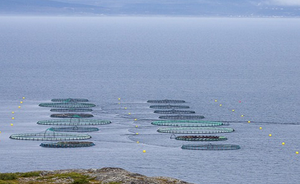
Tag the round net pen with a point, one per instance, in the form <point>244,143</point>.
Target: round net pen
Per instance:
<point>49,136</point>
<point>184,117</point>
<point>74,122</point>
<point>166,101</point>
<point>71,115</point>
<point>72,110</point>
<point>74,129</point>
<point>200,138</point>
<point>195,130</point>
<point>67,144</point>
<point>169,107</point>
<point>211,147</point>
<point>187,123</point>
<point>67,105</point>
<point>68,100</point>
<point>173,111</point>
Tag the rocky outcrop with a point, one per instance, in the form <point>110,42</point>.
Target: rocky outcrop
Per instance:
<point>107,175</point>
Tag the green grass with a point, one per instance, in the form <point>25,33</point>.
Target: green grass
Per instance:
<point>8,176</point>
<point>30,174</point>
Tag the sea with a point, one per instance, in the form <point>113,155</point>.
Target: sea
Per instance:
<point>242,71</point>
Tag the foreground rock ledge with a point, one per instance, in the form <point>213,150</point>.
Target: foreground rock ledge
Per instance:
<point>103,176</point>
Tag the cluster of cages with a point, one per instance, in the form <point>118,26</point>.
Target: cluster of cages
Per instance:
<point>211,147</point>
<point>67,144</point>
<point>49,136</point>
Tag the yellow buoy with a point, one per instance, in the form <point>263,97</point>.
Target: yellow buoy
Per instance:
<point>129,113</point>
<point>242,115</point>
<point>13,118</point>
<point>125,108</point>
<point>249,121</point>
<point>21,102</point>
<point>232,110</point>
<point>137,141</point>
<point>12,112</point>
<point>119,98</point>
<point>23,97</point>
<point>270,135</point>
<point>216,100</point>
<point>11,124</point>
<point>260,128</point>
<point>136,126</point>
<point>144,151</point>
<point>135,119</point>
<point>283,143</point>
<point>19,107</point>
<point>137,133</point>
<point>297,152</point>
<point>0,132</point>
<point>220,105</point>
<point>119,103</point>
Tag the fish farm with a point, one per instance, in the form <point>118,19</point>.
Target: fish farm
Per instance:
<point>68,100</point>
<point>169,107</point>
<point>200,138</point>
<point>49,136</point>
<point>71,115</point>
<point>173,111</point>
<point>166,101</point>
<point>67,105</point>
<point>179,124</point>
<point>182,117</point>
<point>74,122</point>
<point>211,147</point>
<point>195,130</point>
<point>170,122</point>
<point>72,110</point>
<point>74,129</point>
<point>67,144</point>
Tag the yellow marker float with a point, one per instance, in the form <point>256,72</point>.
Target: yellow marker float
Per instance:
<point>21,102</point>
<point>13,118</point>
<point>135,119</point>
<point>249,121</point>
<point>144,151</point>
<point>12,112</point>
<point>119,98</point>
<point>23,97</point>
<point>297,152</point>
<point>216,100</point>
<point>220,105</point>
<point>11,124</point>
<point>260,128</point>
<point>270,135</point>
<point>125,107</point>
<point>283,143</point>
<point>232,110</point>
<point>19,107</point>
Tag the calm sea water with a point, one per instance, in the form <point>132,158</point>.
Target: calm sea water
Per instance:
<point>249,65</point>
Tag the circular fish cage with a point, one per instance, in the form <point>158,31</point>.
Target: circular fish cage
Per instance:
<point>182,117</point>
<point>187,123</point>
<point>71,115</point>
<point>74,122</point>
<point>211,147</point>
<point>72,110</point>
<point>67,105</point>
<point>49,136</point>
<point>195,130</point>
<point>74,129</point>
<point>200,138</point>
<point>67,144</point>
<point>68,100</point>
<point>166,101</point>
<point>169,107</point>
<point>173,111</point>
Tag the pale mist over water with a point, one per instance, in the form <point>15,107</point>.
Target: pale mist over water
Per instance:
<point>249,65</point>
